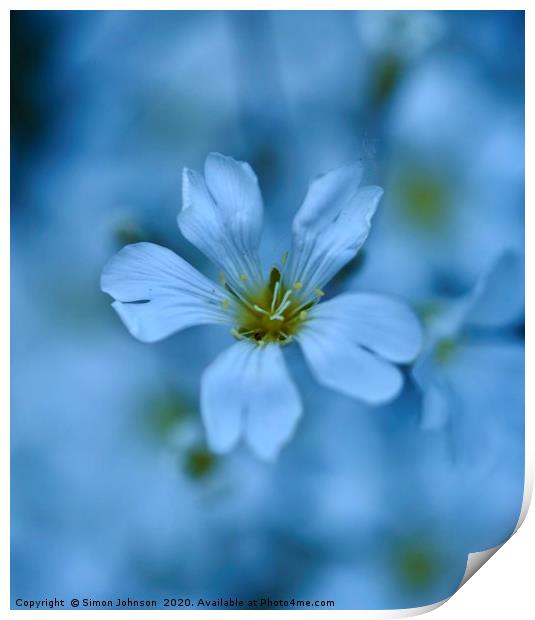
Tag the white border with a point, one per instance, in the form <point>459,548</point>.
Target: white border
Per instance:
<point>273,5</point>
<point>504,586</point>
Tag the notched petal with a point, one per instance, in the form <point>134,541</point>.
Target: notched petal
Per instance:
<point>157,293</point>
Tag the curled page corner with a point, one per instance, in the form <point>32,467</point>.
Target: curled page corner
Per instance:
<point>474,561</point>
<point>408,612</point>
<point>419,611</point>
<point>477,559</point>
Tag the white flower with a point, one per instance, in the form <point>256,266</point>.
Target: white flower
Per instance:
<point>349,341</point>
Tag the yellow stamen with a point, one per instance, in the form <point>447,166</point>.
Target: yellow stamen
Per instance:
<point>272,314</point>
<point>284,258</point>
<point>243,277</point>
<point>222,279</point>
<point>225,303</point>
<point>319,292</point>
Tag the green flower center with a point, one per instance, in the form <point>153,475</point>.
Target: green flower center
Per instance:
<point>418,566</point>
<point>199,462</point>
<point>274,312</point>
<point>445,349</point>
<point>424,199</point>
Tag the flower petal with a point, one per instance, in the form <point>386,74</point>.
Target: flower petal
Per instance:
<point>437,400</point>
<point>223,395</point>
<point>496,300</point>
<point>342,366</point>
<point>234,186</point>
<point>437,405</point>
<point>331,225</point>
<point>222,216</point>
<point>249,385</point>
<point>383,324</point>
<point>275,406</point>
<point>498,297</point>
<point>170,294</point>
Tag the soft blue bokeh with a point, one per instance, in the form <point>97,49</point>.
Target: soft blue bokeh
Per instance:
<point>113,490</point>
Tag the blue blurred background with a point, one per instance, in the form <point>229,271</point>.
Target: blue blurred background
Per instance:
<point>113,491</point>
